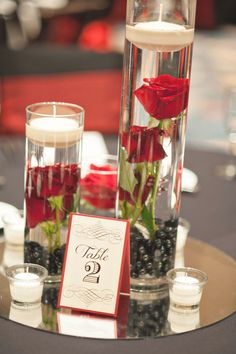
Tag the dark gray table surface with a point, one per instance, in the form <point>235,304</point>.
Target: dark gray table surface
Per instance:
<point>211,213</point>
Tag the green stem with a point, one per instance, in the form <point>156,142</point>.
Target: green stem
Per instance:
<point>156,167</point>
<point>58,228</point>
<point>139,205</point>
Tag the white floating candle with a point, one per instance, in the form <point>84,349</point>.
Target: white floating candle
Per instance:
<point>159,36</point>
<point>26,288</point>
<point>186,291</point>
<point>54,131</point>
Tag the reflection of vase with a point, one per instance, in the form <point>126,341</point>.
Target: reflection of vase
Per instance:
<point>147,318</point>
<point>156,74</point>
<point>49,307</point>
<point>53,144</point>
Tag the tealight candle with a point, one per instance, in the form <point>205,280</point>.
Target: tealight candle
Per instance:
<point>26,282</point>
<point>159,35</point>
<point>185,287</point>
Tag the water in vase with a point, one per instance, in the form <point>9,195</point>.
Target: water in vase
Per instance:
<point>152,138</point>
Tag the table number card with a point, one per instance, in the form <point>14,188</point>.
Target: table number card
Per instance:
<point>96,265</point>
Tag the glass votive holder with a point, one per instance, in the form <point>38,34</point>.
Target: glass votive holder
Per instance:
<point>185,287</point>
<point>182,233</point>
<point>13,225</point>
<point>26,283</point>
<point>98,185</point>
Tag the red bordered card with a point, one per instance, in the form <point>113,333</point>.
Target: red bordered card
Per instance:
<point>96,264</point>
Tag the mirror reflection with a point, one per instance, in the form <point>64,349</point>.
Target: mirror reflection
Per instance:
<point>137,317</point>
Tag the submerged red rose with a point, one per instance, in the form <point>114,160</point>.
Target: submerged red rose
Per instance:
<point>42,183</point>
<point>164,96</point>
<point>99,186</point>
<point>143,144</point>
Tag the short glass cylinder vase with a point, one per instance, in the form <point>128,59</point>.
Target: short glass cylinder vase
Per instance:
<point>155,91</point>
<point>52,175</point>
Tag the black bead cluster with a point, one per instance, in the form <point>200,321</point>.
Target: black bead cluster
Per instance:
<point>50,296</point>
<point>37,254</point>
<point>147,319</point>
<point>153,258</point>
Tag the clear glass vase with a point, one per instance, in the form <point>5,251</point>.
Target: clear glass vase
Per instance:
<point>52,175</point>
<point>156,74</point>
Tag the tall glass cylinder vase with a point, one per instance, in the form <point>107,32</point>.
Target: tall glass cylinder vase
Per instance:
<point>52,175</point>
<point>156,74</point>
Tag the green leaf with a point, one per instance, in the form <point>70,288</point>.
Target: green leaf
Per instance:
<point>127,177</point>
<point>147,220</point>
<point>56,202</point>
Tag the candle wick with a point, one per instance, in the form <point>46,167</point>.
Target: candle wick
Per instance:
<point>161,12</point>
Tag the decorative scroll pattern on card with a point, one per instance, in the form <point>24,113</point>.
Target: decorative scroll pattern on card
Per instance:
<point>89,296</point>
<point>98,232</point>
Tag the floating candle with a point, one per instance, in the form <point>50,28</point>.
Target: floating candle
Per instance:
<point>54,131</point>
<point>159,36</point>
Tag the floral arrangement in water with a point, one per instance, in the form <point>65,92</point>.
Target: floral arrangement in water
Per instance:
<point>50,195</point>
<point>164,98</point>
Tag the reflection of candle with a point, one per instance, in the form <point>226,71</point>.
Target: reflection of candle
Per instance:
<point>183,321</point>
<point>54,131</point>
<point>29,316</point>
<point>185,291</point>
<point>159,35</point>
<point>26,288</point>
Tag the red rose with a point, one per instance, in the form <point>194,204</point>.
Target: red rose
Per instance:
<point>164,96</point>
<point>99,188</point>
<point>45,182</point>
<point>53,180</point>
<point>143,144</point>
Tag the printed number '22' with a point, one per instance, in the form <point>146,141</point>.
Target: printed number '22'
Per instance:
<point>93,268</point>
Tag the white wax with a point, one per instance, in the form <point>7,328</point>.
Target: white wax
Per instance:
<point>26,287</point>
<point>159,36</point>
<point>54,131</point>
<point>185,291</point>
<point>14,232</point>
